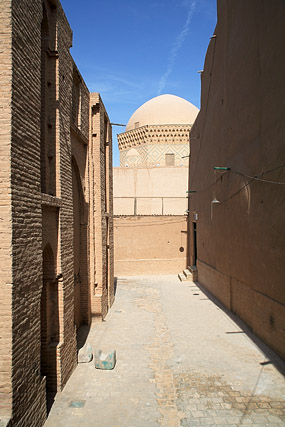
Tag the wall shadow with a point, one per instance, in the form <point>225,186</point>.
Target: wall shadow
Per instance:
<point>82,335</point>
<point>50,398</point>
<point>115,285</point>
<point>272,357</point>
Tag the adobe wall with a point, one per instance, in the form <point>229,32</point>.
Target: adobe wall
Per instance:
<point>79,134</point>
<point>49,199</point>
<point>28,385</point>
<point>146,245</point>
<point>6,211</point>
<point>101,225</point>
<point>240,241</point>
<point>150,191</point>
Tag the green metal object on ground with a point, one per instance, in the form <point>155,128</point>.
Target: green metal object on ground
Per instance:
<point>105,361</point>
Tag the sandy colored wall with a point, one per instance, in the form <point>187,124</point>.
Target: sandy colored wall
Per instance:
<point>241,245</point>
<point>146,245</point>
<point>101,213</point>
<point>48,279</point>
<point>150,191</point>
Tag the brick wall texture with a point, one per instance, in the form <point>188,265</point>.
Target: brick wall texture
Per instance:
<point>56,222</point>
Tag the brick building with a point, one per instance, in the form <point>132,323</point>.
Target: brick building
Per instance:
<point>237,173</point>
<point>56,208</point>
<point>157,133</point>
<point>150,223</point>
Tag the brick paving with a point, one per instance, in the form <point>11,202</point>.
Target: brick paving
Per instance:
<point>181,361</point>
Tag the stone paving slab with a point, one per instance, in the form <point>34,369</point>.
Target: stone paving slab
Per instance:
<point>181,361</point>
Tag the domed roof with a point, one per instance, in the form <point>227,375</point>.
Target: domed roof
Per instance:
<point>163,110</point>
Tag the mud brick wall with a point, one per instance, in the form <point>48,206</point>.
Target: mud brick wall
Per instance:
<point>149,244</point>
<point>47,178</point>
<point>81,203</point>
<point>101,175</point>
<point>6,214</point>
<point>240,241</point>
<point>67,346</point>
<point>28,386</point>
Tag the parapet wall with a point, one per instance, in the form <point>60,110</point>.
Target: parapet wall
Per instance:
<point>150,191</point>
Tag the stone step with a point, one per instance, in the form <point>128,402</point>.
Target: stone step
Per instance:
<point>85,354</point>
<point>187,273</point>
<point>181,277</point>
<point>193,270</point>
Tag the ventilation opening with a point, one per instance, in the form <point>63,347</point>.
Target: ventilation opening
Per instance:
<point>169,159</point>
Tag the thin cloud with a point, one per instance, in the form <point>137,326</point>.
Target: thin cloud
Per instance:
<point>111,83</point>
<point>120,88</point>
<point>176,47</point>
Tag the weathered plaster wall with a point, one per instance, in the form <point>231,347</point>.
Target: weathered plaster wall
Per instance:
<point>146,245</point>
<point>241,241</point>
<point>150,191</point>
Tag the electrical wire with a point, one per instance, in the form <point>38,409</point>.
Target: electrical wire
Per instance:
<point>265,180</point>
<point>228,198</point>
<point>257,177</point>
<point>251,178</point>
<point>182,220</point>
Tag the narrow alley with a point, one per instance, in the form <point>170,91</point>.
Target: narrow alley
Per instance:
<point>181,361</point>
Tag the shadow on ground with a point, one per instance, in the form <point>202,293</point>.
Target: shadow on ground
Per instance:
<point>272,358</point>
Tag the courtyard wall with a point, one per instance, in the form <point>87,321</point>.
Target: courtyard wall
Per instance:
<point>147,245</point>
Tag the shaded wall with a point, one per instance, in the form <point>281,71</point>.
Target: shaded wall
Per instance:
<point>6,211</point>
<point>241,241</point>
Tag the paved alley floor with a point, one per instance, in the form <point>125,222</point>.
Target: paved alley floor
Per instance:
<point>181,361</point>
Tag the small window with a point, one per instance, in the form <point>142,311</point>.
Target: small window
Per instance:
<point>137,125</point>
<point>169,159</point>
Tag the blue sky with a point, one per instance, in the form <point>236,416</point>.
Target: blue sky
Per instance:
<point>131,50</point>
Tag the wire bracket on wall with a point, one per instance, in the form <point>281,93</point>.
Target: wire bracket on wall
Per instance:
<point>221,168</point>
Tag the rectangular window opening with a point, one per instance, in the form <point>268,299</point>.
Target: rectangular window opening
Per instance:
<point>169,159</point>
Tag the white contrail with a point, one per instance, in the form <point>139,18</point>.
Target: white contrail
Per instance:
<point>176,46</point>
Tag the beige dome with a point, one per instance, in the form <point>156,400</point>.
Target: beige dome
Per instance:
<point>164,110</point>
